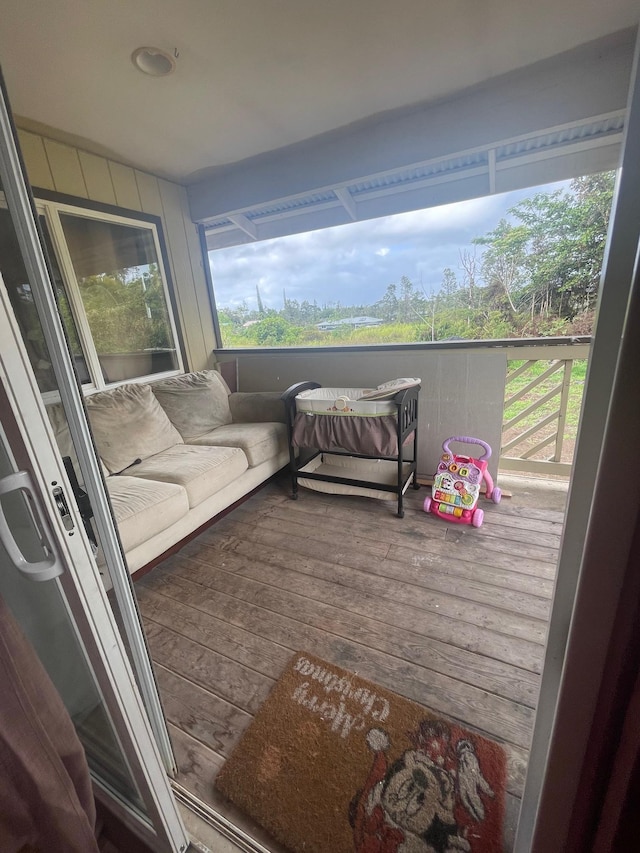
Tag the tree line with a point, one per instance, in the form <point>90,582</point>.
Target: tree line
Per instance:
<point>535,274</point>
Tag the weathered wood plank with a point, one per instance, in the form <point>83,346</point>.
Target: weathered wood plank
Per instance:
<point>360,642</point>
<point>409,604</point>
<point>309,542</point>
<point>494,715</point>
<point>229,679</point>
<point>215,634</point>
<point>208,718</point>
<point>325,577</point>
<point>454,578</point>
<point>338,611</point>
<point>377,512</point>
<point>414,500</point>
<point>383,528</point>
<point>528,602</point>
<point>398,583</point>
<point>358,537</point>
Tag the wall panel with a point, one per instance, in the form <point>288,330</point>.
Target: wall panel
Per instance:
<point>462,390</point>
<point>149,193</point>
<point>53,165</point>
<point>179,250</point>
<point>35,156</point>
<point>65,168</point>
<point>97,178</point>
<point>125,186</point>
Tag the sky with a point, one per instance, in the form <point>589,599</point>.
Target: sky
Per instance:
<point>354,264</point>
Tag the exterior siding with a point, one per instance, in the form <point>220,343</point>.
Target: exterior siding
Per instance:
<point>53,165</point>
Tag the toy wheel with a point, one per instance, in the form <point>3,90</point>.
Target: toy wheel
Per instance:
<point>426,506</point>
<point>478,518</point>
<point>496,495</point>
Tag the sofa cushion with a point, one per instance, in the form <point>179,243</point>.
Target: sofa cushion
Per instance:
<point>144,508</point>
<point>258,441</point>
<point>202,471</point>
<point>253,407</point>
<point>128,425</point>
<point>196,403</point>
<point>60,426</point>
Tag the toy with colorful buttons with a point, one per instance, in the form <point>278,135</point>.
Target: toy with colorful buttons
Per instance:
<point>456,485</point>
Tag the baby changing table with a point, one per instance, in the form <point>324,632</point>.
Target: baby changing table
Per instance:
<point>353,441</point>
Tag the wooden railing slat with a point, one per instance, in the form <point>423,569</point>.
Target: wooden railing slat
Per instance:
<point>523,436</point>
<point>520,370</point>
<point>560,358</point>
<point>538,447</point>
<point>564,404</point>
<point>554,368</point>
<point>532,408</point>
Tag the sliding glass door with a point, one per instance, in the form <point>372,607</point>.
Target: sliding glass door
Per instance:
<point>49,575</point>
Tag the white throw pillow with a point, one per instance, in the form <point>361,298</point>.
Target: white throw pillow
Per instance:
<point>129,425</point>
<point>196,403</point>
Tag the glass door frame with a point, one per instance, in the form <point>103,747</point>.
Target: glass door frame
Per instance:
<point>144,739</point>
<point>23,211</point>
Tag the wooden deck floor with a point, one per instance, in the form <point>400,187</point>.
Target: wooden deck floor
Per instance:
<point>449,616</point>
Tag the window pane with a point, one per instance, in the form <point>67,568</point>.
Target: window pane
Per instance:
<point>122,291</point>
<point>15,278</point>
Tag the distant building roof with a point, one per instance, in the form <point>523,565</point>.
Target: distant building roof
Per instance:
<point>356,322</point>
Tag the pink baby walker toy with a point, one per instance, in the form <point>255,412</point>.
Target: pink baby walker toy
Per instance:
<point>456,486</point>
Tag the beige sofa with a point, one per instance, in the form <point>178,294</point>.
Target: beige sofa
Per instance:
<point>178,452</point>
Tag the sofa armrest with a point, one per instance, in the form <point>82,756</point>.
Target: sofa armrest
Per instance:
<point>256,407</point>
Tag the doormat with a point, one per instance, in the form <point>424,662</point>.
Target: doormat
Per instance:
<point>335,764</point>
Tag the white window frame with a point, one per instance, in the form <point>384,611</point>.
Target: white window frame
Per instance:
<point>51,211</point>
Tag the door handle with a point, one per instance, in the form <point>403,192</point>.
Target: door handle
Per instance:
<point>42,570</point>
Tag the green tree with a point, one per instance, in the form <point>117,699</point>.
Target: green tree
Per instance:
<point>503,263</point>
<point>387,307</point>
<point>411,304</point>
<point>126,310</point>
<point>547,264</point>
<point>274,331</point>
<point>449,289</point>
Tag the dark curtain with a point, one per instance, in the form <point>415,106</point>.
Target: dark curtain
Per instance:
<point>46,799</point>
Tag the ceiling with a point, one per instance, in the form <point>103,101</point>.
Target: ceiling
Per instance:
<point>285,116</point>
<point>255,76</point>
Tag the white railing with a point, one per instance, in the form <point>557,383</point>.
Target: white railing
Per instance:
<point>543,395</point>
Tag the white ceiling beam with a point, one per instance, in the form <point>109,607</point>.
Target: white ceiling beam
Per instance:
<point>492,170</point>
<point>346,199</point>
<point>560,150</point>
<point>608,139</point>
<point>244,224</point>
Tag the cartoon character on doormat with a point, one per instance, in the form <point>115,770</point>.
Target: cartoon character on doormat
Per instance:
<point>431,799</point>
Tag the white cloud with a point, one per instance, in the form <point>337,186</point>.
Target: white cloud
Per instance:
<point>355,263</point>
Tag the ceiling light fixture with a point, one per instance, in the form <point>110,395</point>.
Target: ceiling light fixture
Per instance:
<point>154,61</point>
